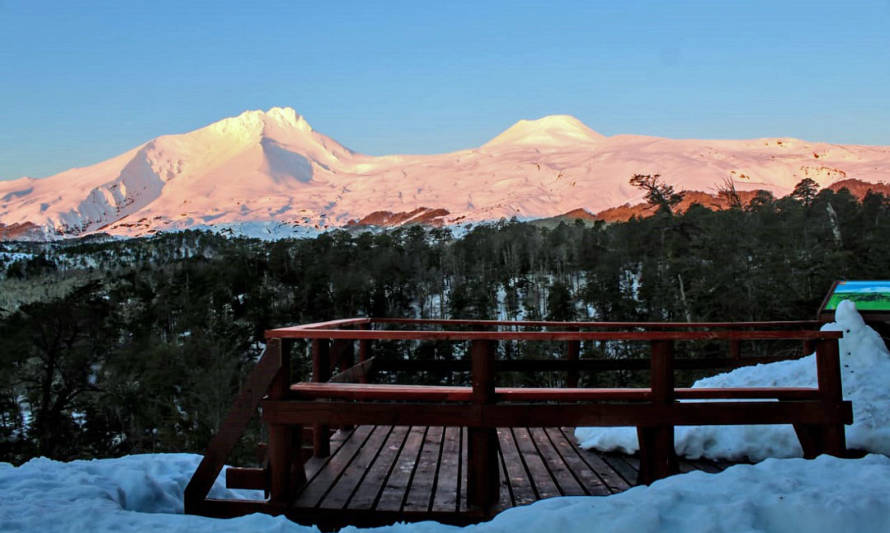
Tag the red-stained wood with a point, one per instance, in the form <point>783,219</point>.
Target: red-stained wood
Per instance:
<point>622,325</point>
<point>611,479</point>
<point>735,349</point>
<point>586,477</point>
<point>337,413</point>
<point>364,349</point>
<point>330,324</point>
<point>556,365</point>
<point>246,478</point>
<point>573,351</point>
<point>563,477</point>
<point>286,471</point>
<point>243,409</point>
<point>347,485</point>
<point>550,335</point>
<point>517,475</point>
<point>754,393</point>
<point>447,496</point>
<point>433,393</point>
<point>543,482</point>
<point>359,391</point>
<point>342,355</point>
<point>657,457</point>
<point>397,485</point>
<point>372,485</point>
<point>829,377</point>
<point>482,442</point>
<point>419,481</point>
<point>424,483</point>
<point>321,484</point>
<point>355,374</point>
<point>321,372</point>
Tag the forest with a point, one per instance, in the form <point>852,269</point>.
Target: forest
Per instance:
<point>112,347</point>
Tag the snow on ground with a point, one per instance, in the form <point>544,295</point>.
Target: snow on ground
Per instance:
<point>144,493</point>
<point>865,365</point>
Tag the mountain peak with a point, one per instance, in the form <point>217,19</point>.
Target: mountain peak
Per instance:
<point>549,130</point>
<point>258,122</point>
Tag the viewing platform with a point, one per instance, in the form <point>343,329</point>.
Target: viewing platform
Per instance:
<point>462,453</point>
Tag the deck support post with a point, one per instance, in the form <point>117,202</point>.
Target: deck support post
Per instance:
<point>286,472</point>
<point>364,347</point>
<point>573,350</point>
<point>321,372</point>
<point>342,357</point>
<point>657,456</point>
<point>735,349</point>
<point>828,371</point>
<point>482,442</point>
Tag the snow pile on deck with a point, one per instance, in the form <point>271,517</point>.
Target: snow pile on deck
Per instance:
<point>144,492</point>
<point>865,365</point>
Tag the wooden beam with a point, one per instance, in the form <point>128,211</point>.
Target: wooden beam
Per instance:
<point>556,415</point>
<point>355,374</point>
<point>321,372</point>
<point>550,335</point>
<point>828,369</point>
<point>438,393</point>
<point>577,324</point>
<point>573,351</point>
<point>247,478</point>
<point>657,457</point>
<point>482,442</point>
<point>582,365</point>
<point>243,409</point>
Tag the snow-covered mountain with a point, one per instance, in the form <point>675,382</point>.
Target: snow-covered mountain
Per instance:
<point>272,170</point>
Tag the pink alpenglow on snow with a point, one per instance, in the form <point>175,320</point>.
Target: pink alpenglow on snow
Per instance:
<point>270,174</point>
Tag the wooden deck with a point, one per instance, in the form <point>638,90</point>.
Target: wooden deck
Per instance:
<point>389,471</point>
<point>476,450</point>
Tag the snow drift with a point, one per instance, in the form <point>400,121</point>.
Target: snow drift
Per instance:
<point>865,364</point>
<point>144,493</point>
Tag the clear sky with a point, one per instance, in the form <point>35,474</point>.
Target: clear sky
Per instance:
<point>83,81</point>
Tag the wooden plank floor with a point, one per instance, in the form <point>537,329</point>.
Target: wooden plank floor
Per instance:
<point>385,469</point>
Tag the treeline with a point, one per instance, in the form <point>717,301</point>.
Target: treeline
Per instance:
<point>144,343</point>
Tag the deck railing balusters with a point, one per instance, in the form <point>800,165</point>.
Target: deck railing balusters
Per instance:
<point>321,372</point>
<point>573,350</point>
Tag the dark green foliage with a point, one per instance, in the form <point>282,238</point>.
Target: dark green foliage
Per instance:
<point>151,338</point>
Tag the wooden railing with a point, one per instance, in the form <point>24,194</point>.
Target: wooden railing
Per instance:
<point>346,398</point>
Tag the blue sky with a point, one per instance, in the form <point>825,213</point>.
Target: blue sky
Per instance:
<point>82,82</point>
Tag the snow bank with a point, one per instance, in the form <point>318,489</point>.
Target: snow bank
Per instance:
<point>134,493</point>
<point>142,493</point>
<point>865,365</point>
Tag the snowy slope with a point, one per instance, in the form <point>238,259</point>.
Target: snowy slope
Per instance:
<point>144,493</point>
<point>865,364</point>
<point>273,168</point>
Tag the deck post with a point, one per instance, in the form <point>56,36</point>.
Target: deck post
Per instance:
<point>573,349</point>
<point>342,357</point>
<point>657,456</point>
<point>286,471</point>
<point>482,442</point>
<point>735,349</point>
<point>828,369</point>
<point>321,372</point>
<point>364,346</point>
